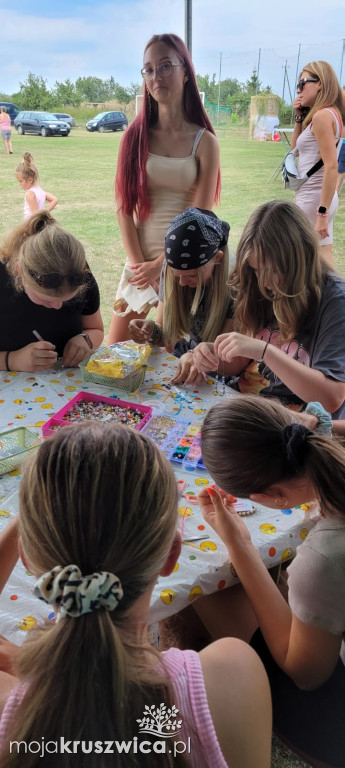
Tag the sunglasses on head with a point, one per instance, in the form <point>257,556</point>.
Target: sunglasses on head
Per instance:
<point>55,280</point>
<point>301,83</point>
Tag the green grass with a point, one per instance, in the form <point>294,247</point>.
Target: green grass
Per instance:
<point>80,170</point>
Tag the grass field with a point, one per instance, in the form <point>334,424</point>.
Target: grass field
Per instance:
<point>80,170</point>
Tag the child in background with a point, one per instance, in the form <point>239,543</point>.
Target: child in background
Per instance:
<point>6,130</point>
<point>255,449</point>
<point>35,197</point>
<point>194,302</point>
<point>92,674</point>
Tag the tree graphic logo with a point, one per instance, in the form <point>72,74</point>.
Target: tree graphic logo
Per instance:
<point>160,721</point>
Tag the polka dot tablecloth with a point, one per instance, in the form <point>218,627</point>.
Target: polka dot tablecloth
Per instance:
<point>30,400</point>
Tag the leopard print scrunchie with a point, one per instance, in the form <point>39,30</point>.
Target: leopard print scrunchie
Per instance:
<point>75,594</point>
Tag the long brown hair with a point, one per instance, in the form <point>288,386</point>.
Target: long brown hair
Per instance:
<point>289,259</point>
<point>130,182</point>
<point>104,497</point>
<point>242,448</point>
<point>330,94</point>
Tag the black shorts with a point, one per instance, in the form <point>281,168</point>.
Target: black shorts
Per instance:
<point>312,723</point>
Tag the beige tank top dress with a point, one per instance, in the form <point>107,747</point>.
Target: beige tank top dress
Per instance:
<point>171,183</point>
<point>308,196</point>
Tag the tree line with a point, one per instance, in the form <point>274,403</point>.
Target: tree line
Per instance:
<point>34,93</point>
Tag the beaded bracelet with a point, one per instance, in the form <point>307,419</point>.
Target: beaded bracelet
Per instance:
<point>298,118</point>
<point>323,215</point>
<point>156,335</point>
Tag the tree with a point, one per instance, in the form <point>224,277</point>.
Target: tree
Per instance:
<point>92,89</point>
<point>121,95</point>
<point>254,86</point>
<point>209,86</point>
<point>66,94</point>
<point>34,93</point>
<point>132,90</point>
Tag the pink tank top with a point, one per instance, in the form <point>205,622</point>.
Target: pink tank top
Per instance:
<point>40,196</point>
<point>189,697</point>
<point>309,152</point>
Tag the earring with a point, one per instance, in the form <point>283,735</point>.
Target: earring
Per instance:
<point>149,103</point>
<point>281,502</point>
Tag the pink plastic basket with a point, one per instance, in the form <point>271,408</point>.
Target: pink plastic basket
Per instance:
<point>58,419</point>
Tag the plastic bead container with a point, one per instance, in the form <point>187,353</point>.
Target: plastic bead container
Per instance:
<point>179,440</point>
<point>104,409</point>
<point>15,446</point>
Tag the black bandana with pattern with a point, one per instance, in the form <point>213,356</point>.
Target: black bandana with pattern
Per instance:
<point>193,238</point>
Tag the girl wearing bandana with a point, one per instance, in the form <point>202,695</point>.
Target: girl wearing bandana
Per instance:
<point>194,301</point>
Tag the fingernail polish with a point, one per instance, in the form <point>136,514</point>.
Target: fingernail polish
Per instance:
<point>211,491</point>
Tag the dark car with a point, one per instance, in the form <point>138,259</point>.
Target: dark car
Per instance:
<point>43,123</point>
<point>65,118</point>
<point>108,121</point>
<point>11,109</point>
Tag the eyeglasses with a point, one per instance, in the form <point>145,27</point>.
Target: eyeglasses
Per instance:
<point>55,280</point>
<point>301,83</point>
<point>163,70</point>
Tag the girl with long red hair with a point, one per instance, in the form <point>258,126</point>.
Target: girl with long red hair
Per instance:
<point>168,160</point>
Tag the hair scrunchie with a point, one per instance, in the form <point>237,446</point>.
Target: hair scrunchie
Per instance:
<point>75,594</point>
<point>294,437</point>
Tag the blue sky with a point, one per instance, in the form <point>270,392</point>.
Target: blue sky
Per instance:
<point>72,39</point>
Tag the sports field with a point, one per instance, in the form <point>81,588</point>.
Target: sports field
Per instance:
<point>80,171</point>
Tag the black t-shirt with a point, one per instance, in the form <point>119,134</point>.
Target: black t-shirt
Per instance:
<point>19,316</point>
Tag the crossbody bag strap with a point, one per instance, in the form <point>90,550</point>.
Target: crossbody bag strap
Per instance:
<point>315,168</point>
<point>317,165</point>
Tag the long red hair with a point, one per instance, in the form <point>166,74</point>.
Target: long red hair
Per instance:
<point>130,181</point>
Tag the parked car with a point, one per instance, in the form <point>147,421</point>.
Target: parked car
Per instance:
<point>43,123</point>
<point>108,121</point>
<point>65,117</point>
<point>11,109</point>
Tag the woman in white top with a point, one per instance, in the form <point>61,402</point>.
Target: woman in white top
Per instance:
<point>319,116</point>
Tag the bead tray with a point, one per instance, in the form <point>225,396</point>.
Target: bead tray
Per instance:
<point>15,446</point>
<point>179,440</point>
<point>61,418</point>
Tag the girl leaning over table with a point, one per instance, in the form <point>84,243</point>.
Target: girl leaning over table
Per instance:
<point>91,676</point>
<point>257,449</point>
<point>319,116</point>
<point>168,159</point>
<point>194,303</point>
<point>43,268</point>
<point>288,335</point>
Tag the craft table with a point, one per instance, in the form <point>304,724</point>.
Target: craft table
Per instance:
<point>203,567</point>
